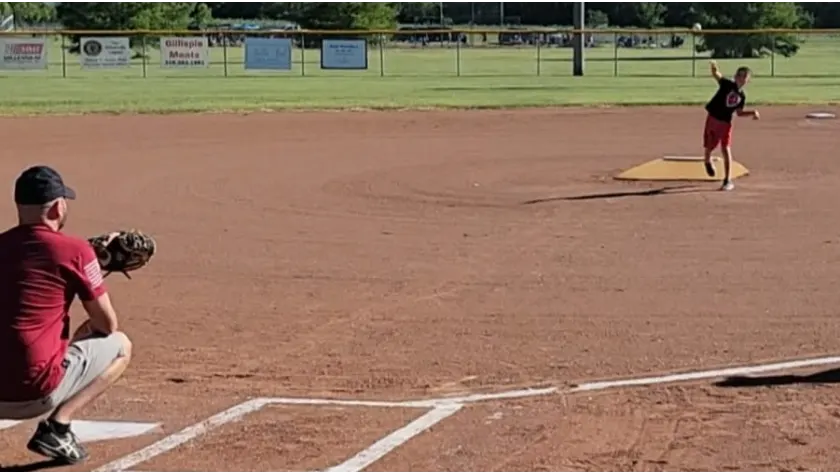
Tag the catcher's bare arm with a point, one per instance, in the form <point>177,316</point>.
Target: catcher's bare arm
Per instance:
<point>103,317</point>
<point>93,294</point>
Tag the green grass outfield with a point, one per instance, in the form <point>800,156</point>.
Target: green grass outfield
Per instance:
<point>419,78</point>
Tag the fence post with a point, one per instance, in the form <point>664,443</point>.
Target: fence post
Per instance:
<point>143,53</point>
<point>615,54</point>
<point>693,54</point>
<point>773,58</point>
<point>458,58</point>
<point>225,52</point>
<point>539,49</point>
<point>302,54</point>
<point>381,55</point>
<point>63,56</point>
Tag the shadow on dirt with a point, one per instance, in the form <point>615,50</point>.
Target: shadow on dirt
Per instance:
<point>683,189</point>
<point>831,376</point>
<point>34,466</point>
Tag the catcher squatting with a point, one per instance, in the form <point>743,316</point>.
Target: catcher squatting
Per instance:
<point>45,371</point>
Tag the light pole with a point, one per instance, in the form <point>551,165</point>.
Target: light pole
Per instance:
<point>578,40</point>
<point>502,14</point>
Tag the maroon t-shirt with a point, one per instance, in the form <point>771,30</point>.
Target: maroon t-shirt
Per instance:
<point>41,272</point>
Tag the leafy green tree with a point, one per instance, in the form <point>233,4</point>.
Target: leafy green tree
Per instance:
<point>201,15</point>
<point>130,16</point>
<point>750,15</point>
<point>597,18</point>
<point>342,15</point>
<point>276,11</point>
<point>680,14</point>
<point>650,14</point>
<point>824,14</point>
<point>254,11</point>
<point>466,13</point>
<point>244,10</point>
<point>617,14</point>
<point>418,12</point>
<point>531,13</point>
<point>29,13</point>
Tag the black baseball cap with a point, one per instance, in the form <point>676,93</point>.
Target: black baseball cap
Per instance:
<point>39,185</point>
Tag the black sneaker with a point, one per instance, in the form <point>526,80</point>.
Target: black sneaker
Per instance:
<point>710,169</point>
<point>61,446</point>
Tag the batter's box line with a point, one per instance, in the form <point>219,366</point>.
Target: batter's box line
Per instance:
<point>356,463</point>
<point>437,410</point>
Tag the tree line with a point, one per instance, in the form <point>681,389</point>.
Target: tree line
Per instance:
<point>627,14</point>
<point>357,15</point>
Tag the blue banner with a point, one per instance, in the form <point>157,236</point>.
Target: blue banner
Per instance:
<point>273,54</point>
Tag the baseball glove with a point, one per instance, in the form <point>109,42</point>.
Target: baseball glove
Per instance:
<point>123,251</point>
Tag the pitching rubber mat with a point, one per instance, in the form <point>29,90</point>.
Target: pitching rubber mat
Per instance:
<point>821,115</point>
<point>679,168</point>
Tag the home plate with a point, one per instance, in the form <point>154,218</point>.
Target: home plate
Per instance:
<point>5,424</point>
<point>94,431</point>
<point>821,115</point>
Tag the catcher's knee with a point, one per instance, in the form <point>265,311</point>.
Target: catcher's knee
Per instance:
<point>125,342</point>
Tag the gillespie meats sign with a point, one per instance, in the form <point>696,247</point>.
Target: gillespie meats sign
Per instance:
<point>184,52</point>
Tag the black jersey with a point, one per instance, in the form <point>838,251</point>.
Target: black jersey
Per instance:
<point>728,98</point>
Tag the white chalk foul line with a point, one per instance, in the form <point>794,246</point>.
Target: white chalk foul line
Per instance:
<point>418,404</point>
<point>397,438</point>
<point>344,402</point>
<point>173,441</point>
<point>582,387</point>
<point>472,398</point>
<point>706,374</point>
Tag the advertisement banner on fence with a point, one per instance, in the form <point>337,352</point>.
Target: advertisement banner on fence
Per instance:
<point>23,53</point>
<point>268,54</point>
<point>184,52</point>
<point>103,53</point>
<point>344,54</point>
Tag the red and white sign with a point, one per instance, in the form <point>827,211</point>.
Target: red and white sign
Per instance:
<point>23,53</point>
<point>184,52</point>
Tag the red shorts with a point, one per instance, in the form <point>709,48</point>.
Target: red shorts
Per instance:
<point>716,133</point>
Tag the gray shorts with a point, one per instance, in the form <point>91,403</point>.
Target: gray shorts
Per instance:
<point>85,361</point>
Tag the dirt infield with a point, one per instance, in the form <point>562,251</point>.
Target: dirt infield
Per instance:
<point>412,255</point>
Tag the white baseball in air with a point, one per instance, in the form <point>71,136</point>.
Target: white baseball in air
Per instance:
<point>697,27</point>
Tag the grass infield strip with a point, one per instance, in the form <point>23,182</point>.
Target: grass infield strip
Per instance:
<point>25,96</point>
<point>417,79</point>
